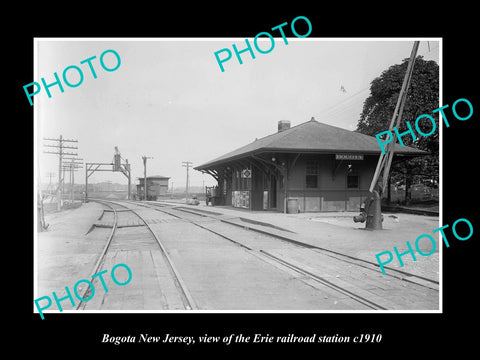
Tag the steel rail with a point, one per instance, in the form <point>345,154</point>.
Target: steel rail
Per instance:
<point>186,296</point>
<point>304,272</point>
<point>395,273</point>
<point>283,262</point>
<point>187,299</point>
<point>102,254</point>
<point>325,282</point>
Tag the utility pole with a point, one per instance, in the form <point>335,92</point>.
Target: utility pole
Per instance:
<point>60,152</point>
<point>50,175</point>
<point>186,164</point>
<point>144,158</point>
<point>72,166</point>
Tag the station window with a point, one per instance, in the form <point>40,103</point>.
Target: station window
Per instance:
<point>312,167</point>
<point>352,181</point>
<point>311,181</point>
<point>311,178</point>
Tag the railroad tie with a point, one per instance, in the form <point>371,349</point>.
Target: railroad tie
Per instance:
<point>103,224</point>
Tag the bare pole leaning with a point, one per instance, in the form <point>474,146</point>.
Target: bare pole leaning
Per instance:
<point>371,211</point>
<point>385,160</point>
<point>405,86</point>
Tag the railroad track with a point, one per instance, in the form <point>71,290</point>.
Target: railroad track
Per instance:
<point>116,209</point>
<point>395,273</point>
<point>306,272</point>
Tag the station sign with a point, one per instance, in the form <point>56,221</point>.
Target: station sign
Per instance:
<point>246,173</point>
<point>348,156</point>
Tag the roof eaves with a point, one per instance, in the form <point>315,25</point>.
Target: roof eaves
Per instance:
<point>415,152</point>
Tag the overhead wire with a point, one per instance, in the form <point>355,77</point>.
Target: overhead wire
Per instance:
<point>336,110</point>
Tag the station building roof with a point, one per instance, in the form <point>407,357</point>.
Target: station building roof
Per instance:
<point>312,137</point>
<point>157,177</point>
<point>154,177</point>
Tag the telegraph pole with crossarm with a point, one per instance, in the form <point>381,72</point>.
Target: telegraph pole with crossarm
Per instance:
<point>60,145</point>
<point>186,164</point>
<point>71,166</point>
<point>145,193</point>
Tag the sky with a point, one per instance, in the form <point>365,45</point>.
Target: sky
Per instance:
<point>170,101</point>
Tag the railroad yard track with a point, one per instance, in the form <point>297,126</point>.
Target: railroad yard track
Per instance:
<point>142,247</point>
<point>219,262</point>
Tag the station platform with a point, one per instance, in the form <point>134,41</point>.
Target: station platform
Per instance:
<point>67,252</point>
<point>338,232</point>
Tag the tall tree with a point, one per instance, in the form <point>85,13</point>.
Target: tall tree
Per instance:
<point>422,98</point>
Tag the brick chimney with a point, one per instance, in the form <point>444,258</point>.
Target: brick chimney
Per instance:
<point>283,125</point>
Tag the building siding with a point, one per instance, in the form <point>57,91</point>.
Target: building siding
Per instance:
<point>332,193</point>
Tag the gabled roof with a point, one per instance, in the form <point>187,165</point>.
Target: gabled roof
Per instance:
<point>157,177</point>
<point>154,177</point>
<point>312,137</point>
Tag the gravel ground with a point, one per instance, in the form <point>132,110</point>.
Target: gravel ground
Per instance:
<point>337,231</point>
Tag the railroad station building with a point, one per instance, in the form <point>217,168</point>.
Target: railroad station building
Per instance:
<point>310,167</point>
<point>157,185</point>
